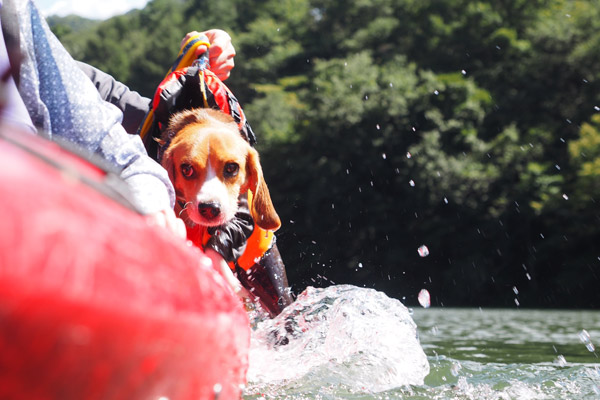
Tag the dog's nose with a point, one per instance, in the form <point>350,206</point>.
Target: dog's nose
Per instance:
<point>209,210</point>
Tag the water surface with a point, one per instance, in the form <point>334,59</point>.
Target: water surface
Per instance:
<point>471,353</point>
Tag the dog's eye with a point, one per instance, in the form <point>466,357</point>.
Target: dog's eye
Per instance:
<point>187,170</point>
<point>231,170</point>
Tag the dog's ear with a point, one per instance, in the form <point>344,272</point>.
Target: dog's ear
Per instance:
<point>167,163</point>
<point>262,209</point>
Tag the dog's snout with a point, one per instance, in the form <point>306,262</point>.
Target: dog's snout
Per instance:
<point>209,210</point>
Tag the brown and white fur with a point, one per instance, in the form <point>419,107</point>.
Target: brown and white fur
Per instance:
<point>210,165</point>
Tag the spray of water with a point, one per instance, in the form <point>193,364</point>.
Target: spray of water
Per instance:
<point>342,335</point>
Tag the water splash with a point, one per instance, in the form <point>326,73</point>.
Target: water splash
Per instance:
<point>424,298</point>
<point>342,335</point>
<point>586,339</point>
<point>561,361</point>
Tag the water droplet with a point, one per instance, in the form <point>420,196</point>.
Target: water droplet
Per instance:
<point>408,155</point>
<point>423,251</point>
<point>366,97</point>
<point>596,108</point>
<point>561,361</point>
<point>515,290</point>
<point>557,167</point>
<point>446,200</point>
<point>414,129</point>
<point>391,84</point>
<point>463,72</point>
<point>528,276</point>
<point>517,302</point>
<point>378,127</point>
<point>585,338</point>
<point>424,298</point>
<point>455,368</point>
<point>360,265</point>
<point>591,348</point>
<point>565,196</point>
<point>206,262</point>
<point>436,92</point>
<point>217,388</point>
<point>384,156</point>
<point>411,183</point>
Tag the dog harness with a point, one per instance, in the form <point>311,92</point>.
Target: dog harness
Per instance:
<point>190,84</point>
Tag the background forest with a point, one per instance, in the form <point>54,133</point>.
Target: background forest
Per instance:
<point>472,127</point>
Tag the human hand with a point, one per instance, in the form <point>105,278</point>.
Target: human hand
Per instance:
<point>221,52</point>
<point>168,220</point>
<point>221,265</point>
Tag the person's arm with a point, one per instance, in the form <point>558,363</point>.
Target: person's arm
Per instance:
<point>221,52</point>
<point>133,105</point>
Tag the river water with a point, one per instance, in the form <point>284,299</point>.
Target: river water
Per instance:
<point>345,342</point>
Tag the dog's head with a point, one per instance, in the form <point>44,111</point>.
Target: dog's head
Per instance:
<point>210,165</point>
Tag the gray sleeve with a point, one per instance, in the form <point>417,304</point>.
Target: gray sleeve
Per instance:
<point>148,182</point>
<point>63,103</point>
<point>133,105</point>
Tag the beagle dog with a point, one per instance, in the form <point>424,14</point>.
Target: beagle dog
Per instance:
<point>210,165</point>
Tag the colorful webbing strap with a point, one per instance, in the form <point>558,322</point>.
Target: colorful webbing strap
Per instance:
<point>185,58</point>
<point>259,242</point>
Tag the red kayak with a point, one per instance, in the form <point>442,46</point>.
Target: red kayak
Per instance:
<point>97,304</point>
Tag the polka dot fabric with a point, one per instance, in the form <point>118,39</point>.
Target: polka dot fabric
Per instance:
<point>64,103</point>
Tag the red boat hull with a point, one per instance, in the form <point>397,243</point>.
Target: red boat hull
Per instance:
<point>97,304</point>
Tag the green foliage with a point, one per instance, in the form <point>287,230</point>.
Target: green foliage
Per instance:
<point>470,126</point>
<point>71,24</point>
<point>585,156</point>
